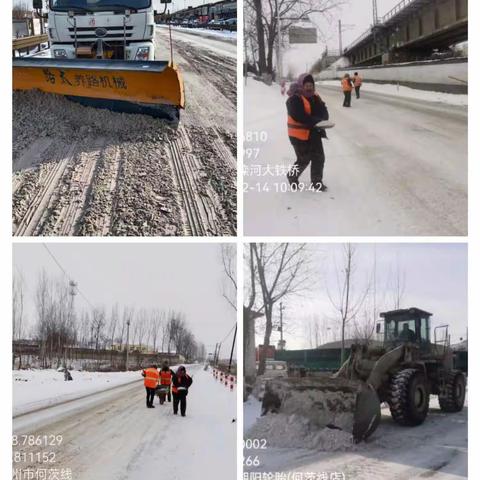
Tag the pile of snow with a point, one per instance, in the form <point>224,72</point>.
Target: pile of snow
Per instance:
<point>251,412</point>
<point>34,389</point>
<point>407,92</point>
<point>295,431</point>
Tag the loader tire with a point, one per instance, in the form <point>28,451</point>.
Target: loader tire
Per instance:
<point>408,397</point>
<point>454,397</point>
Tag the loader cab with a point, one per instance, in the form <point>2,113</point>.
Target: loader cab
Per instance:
<point>410,325</point>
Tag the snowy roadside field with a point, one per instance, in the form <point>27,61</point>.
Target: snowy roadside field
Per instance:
<point>34,389</point>
<point>437,449</point>
<point>406,92</point>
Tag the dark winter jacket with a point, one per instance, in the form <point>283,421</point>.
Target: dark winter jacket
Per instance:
<point>296,110</point>
<point>184,381</point>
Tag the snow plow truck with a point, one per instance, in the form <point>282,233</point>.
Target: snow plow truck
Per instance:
<point>103,55</point>
<point>401,370</point>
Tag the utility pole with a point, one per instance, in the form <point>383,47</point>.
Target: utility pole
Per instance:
<point>128,347</point>
<point>72,292</point>
<point>231,351</point>
<point>216,354</point>
<point>340,43</point>
<point>281,343</point>
<point>342,28</point>
<point>375,12</point>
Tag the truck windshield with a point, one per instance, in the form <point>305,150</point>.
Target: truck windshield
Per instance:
<point>98,5</point>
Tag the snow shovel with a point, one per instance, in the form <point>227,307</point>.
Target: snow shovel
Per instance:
<point>327,402</point>
<point>325,124</point>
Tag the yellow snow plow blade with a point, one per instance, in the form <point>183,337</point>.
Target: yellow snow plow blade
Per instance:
<point>108,83</point>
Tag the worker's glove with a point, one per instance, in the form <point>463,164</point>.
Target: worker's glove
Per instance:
<point>321,131</point>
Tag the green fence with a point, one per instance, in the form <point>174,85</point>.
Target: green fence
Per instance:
<point>327,359</point>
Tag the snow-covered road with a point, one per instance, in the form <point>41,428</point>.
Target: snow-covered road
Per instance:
<point>116,437</point>
<point>437,449</point>
<point>394,166</point>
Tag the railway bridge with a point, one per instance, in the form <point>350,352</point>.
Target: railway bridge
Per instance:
<point>411,31</point>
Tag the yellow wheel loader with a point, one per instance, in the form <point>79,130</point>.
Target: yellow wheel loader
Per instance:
<point>402,370</point>
<point>102,54</point>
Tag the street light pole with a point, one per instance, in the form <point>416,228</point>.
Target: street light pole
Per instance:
<point>340,46</point>
<point>233,347</point>
<point>128,348</point>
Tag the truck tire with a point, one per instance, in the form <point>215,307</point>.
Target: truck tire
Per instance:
<point>454,397</point>
<point>408,397</point>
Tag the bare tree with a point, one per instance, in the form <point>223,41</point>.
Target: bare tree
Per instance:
<point>229,262</point>
<point>265,18</point>
<point>20,11</point>
<point>98,325</point>
<point>84,329</point>
<point>112,325</point>
<point>398,284</point>
<point>156,320</point>
<point>127,317</point>
<point>281,271</point>
<point>251,312</point>
<point>42,303</point>
<point>347,302</point>
<point>18,299</point>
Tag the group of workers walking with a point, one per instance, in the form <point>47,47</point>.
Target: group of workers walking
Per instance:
<point>348,84</point>
<point>176,385</point>
<point>306,122</point>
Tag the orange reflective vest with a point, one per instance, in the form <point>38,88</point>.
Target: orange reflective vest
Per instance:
<point>346,85</point>
<point>357,81</point>
<point>151,377</point>
<point>299,130</point>
<point>175,389</point>
<point>165,377</point>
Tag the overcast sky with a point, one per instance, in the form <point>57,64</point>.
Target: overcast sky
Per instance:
<point>435,280</point>
<point>356,16</point>
<point>185,277</point>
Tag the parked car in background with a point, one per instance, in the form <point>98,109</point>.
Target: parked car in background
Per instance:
<point>231,24</point>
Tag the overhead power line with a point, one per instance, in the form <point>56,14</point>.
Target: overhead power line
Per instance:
<point>229,333</point>
<point>67,275</point>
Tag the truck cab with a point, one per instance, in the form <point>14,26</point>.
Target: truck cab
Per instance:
<point>106,29</point>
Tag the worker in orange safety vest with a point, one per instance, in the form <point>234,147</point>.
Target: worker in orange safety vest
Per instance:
<point>150,380</point>
<point>357,83</point>
<point>166,375</point>
<point>181,383</point>
<point>305,109</point>
<point>347,88</point>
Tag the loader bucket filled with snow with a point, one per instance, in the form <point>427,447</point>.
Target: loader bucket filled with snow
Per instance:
<point>152,87</point>
<point>326,402</point>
